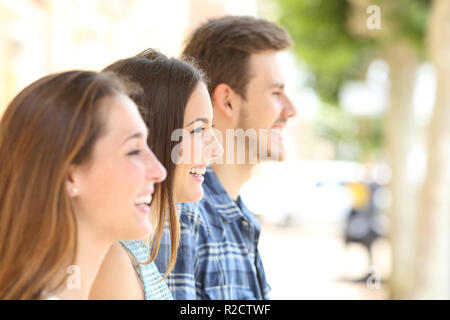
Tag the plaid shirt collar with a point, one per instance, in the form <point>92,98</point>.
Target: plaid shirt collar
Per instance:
<point>228,209</point>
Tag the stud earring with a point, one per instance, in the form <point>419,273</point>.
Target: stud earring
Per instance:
<point>75,190</point>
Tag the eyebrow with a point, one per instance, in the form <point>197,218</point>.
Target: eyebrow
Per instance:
<point>133,136</point>
<point>277,85</point>
<point>204,120</point>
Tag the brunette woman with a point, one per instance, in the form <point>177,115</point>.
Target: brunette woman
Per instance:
<point>175,105</point>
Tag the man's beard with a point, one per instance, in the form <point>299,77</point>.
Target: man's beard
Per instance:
<point>275,151</point>
<point>267,146</point>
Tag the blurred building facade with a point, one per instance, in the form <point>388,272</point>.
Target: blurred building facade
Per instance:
<point>38,37</point>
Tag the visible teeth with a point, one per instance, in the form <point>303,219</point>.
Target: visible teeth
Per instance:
<point>198,171</point>
<point>144,199</point>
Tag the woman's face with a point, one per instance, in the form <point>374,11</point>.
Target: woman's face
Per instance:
<point>112,191</point>
<point>198,147</point>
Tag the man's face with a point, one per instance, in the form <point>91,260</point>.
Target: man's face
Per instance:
<point>267,107</point>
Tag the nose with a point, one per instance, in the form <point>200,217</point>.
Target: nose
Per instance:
<point>215,147</point>
<point>218,148</point>
<point>155,170</point>
<point>289,109</point>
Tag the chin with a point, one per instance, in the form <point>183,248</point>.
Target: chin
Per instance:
<point>193,196</point>
<point>280,155</point>
<point>142,230</point>
<point>197,197</point>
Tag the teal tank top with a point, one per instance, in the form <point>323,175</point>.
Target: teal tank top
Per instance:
<point>154,287</point>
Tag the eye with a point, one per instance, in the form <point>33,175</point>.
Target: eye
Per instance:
<point>276,93</point>
<point>198,130</point>
<point>134,152</point>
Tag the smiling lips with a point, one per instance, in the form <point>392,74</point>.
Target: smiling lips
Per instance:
<point>278,129</point>
<point>143,202</point>
<point>197,173</point>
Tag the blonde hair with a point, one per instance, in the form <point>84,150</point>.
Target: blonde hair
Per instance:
<point>49,125</point>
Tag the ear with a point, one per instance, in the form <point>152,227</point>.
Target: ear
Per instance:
<point>72,187</point>
<point>224,100</point>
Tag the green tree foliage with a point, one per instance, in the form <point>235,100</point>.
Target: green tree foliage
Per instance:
<point>335,54</point>
<point>318,29</point>
<point>411,20</point>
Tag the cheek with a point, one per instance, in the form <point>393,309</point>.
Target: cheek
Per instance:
<point>117,178</point>
<point>180,181</point>
<point>132,171</point>
<point>272,111</point>
<point>262,113</point>
<point>178,174</point>
<point>192,151</point>
<point>200,150</point>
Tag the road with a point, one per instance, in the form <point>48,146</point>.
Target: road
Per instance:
<point>312,262</point>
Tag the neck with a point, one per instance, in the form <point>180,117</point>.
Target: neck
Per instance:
<point>233,177</point>
<point>89,256</point>
<point>233,174</point>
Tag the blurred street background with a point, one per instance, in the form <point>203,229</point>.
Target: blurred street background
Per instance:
<point>360,208</point>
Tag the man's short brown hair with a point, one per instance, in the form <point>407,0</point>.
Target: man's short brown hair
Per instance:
<point>222,47</point>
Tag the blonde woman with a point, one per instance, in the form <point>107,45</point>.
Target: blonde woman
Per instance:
<point>76,176</point>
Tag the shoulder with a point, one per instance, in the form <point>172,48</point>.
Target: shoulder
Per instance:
<point>188,209</point>
<point>139,249</point>
<point>200,221</point>
<point>117,278</point>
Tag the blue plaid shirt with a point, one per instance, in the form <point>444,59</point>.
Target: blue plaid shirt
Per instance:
<point>218,256</point>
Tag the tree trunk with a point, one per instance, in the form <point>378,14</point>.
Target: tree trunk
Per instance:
<point>403,62</point>
<point>433,248</point>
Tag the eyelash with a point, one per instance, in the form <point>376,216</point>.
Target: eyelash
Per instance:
<point>197,130</point>
<point>134,152</point>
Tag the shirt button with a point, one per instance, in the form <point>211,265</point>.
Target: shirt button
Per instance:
<point>244,223</point>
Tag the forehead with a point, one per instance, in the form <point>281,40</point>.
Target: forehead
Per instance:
<point>266,67</point>
<point>120,116</point>
<point>198,105</point>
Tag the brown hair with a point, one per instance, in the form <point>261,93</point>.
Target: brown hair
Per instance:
<point>166,85</point>
<point>49,125</point>
<point>222,47</point>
